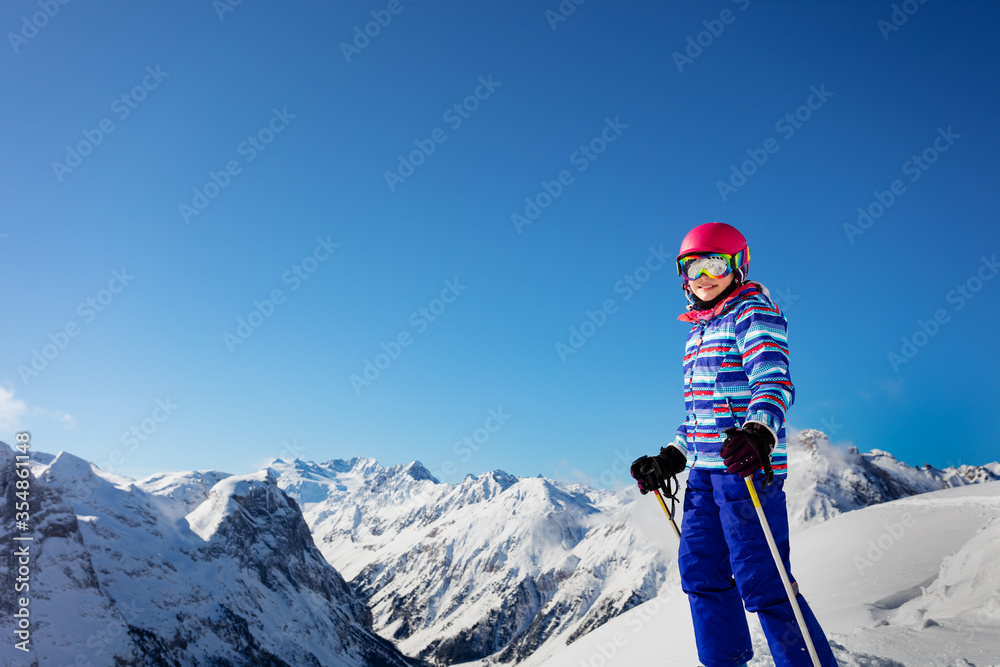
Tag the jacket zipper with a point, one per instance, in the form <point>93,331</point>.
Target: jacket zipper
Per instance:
<point>694,415</point>
<point>732,413</point>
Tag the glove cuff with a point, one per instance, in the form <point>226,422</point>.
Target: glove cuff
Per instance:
<point>762,433</point>
<point>674,457</point>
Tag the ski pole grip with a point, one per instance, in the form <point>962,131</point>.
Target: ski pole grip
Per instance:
<point>732,432</point>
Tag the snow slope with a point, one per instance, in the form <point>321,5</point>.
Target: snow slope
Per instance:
<point>914,581</point>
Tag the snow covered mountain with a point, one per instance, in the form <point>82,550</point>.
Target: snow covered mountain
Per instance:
<point>824,480</point>
<point>495,567</point>
<point>353,563</point>
<point>182,569</point>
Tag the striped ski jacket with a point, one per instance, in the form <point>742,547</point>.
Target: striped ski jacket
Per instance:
<point>735,370</point>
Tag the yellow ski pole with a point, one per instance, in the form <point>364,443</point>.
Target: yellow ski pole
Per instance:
<point>677,531</point>
<point>781,571</point>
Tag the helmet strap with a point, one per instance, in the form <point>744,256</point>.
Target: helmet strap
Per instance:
<point>687,293</point>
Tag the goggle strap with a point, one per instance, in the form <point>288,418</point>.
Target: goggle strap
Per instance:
<point>740,258</point>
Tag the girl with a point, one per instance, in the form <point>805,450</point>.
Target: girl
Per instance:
<point>735,379</point>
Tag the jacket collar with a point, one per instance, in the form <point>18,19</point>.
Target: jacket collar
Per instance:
<point>696,316</point>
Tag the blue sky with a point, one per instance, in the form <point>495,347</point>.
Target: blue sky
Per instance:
<point>170,170</point>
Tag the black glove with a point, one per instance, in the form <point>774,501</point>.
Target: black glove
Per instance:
<point>746,451</point>
<point>650,472</point>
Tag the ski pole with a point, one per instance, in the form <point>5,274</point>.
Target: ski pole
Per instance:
<point>781,571</point>
<point>677,531</point>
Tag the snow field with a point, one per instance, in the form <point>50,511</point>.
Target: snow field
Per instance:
<point>914,581</point>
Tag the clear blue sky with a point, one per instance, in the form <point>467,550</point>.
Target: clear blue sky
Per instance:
<point>308,130</point>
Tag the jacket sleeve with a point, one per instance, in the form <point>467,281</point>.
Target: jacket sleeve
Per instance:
<point>680,438</point>
<point>681,435</point>
<point>762,339</point>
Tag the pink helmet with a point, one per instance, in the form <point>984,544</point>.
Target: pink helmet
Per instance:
<point>721,238</point>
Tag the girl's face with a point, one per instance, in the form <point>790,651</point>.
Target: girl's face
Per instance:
<point>706,288</point>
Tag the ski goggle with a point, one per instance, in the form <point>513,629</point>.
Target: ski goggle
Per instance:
<point>714,265</point>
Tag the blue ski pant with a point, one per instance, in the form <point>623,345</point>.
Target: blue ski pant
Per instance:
<point>725,563</point>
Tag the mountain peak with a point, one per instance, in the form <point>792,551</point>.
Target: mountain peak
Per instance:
<point>358,464</point>
<point>812,439</point>
<point>503,477</point>
<point>879,453</point>
<point>226,497</point>
<point>68,468</point>
<point>417,471</point>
